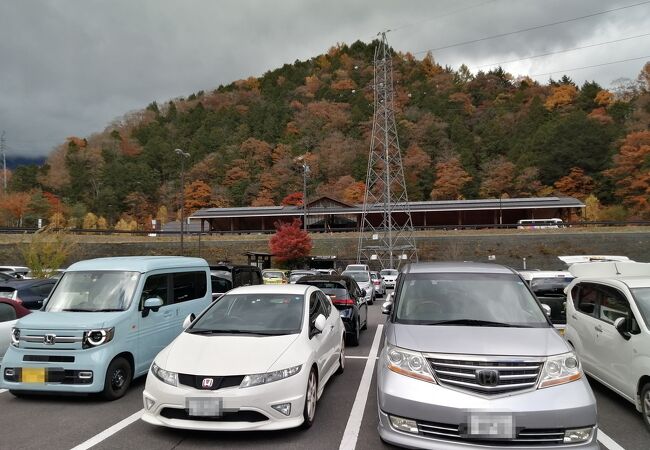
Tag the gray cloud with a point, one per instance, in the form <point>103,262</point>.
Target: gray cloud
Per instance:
<point>70,67</point>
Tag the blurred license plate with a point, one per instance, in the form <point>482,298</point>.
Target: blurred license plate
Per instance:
<point>203,406</point>
<point>33,375</point>
<point>491,425</point>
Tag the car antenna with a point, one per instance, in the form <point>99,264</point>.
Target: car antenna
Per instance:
<point>618,272</point>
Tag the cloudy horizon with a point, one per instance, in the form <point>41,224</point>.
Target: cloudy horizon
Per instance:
<point>71,67</point>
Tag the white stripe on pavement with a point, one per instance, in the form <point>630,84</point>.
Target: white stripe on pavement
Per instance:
<point>608,441</point>
<point>109,431</point>
<point>359,357</point>
<point>351,433</point>
<point>3,390</point>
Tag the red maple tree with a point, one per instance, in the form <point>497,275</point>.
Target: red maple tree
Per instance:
<point>290,243</point>
<point>293,199</point>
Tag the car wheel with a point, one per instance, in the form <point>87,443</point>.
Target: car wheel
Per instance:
<point>118,379</point>
<point>311,397</point>
<point>353,338</point>
<point>372,300</point>
<point>645,404</point>
<point>341,368</point>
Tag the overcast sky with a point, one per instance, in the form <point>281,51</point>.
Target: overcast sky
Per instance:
<point>70,67</point>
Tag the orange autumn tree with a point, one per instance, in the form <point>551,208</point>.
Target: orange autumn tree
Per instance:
<point>15,205</point>
<point>576,184</point>
<point>451,178</point>
<point>355,193</point>
<point>290,244</point>
<point>293,199</point>
<point>198,195</point>
<point>631,173</point>
<point>562,95</point>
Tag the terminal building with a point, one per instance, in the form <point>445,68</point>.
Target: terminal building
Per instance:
<point>328,215</point>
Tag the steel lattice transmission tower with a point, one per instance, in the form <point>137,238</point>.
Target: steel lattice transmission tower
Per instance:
<point>391,241</point>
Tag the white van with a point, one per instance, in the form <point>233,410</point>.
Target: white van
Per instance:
<point>357,268</point>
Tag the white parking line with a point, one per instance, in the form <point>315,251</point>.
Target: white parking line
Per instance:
<point>3,390</point>
<point>359,357</point>
<point>351,433</point>
<point>608,441</point>
<point>109,431</point>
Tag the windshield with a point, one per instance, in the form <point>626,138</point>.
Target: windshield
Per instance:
<point>272,274</point>
<point>267,314</point>
<point>468,299</point>
<point>362,277</point>
<point>389,272</point>
<point>642,298</point>
<point>550,286</point>
<point>296,276</point>
<point>93,291</point>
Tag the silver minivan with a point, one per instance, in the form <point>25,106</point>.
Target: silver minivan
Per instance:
<point>471,359</point>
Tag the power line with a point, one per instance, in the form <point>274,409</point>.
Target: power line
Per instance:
<point>589,67</point>
<point>562,51</point>
<point>537,27</point>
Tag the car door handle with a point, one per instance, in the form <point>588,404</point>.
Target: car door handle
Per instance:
<point>598,328</point>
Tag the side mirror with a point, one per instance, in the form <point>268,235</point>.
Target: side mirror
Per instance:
<point>547,310</point>
<point>188,321</point>
<point>363,292</point>
<point>387,307</point>
<point>320,322</point>
<point>621,326</point>
<point>153,303</point>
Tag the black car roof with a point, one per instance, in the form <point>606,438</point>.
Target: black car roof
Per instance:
<point>345,280</point>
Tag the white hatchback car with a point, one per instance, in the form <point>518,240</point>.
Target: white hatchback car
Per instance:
<point>256,359</point>
<point>608,324</point>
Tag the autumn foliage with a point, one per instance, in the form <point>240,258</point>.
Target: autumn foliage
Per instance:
<point>290,243</point>
<point>451,178</point>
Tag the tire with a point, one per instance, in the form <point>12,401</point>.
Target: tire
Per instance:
<point>372,300</point>
<point>645,404</point>
<point>353,338</point>
<point>341,368</point>
<point>365,324</point>
<point>118,379</point>
<point>311,398</point>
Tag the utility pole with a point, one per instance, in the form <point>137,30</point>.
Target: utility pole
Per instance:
<point>4,159</point>
<point>183,155</point>
<point>390,242</point>
<point>305,171</point>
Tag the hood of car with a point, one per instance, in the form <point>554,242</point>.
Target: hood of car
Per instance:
<point>39,320</point>
<point>467,340</point>
<point>220,354</point>
<point>364,285</point>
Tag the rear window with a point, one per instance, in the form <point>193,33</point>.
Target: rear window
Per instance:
<point>7,292</point>
<point>389,272</point>
<point>273,275</point>
<point>336,294</point>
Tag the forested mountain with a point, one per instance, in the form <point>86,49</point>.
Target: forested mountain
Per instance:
<point>462,135</point>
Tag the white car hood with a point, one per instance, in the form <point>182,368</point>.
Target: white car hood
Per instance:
<point>223,354</point>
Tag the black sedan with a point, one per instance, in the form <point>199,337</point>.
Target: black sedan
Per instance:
<point>347,297</point>
<point>30,293</point>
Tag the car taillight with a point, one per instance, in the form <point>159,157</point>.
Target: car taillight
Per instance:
<point>376,282</point>
<point>343,301</point>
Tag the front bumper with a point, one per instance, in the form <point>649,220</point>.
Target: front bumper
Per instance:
<point>243,409</point>
<point>568,406</point>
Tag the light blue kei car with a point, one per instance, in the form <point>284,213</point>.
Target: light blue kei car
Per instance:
<point>103,324</point>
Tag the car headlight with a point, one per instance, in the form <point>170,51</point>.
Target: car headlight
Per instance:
<point>165,376</point>
<point>409,363</point>
<point>15,336</point>
<point>269,377</point>
<point>560,369</point>
<point>95,338</point>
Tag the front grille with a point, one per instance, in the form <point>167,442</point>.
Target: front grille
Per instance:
<point>48,358</point>
<point>525,436</point>
<point>227,416</point>
<point>196,381</point>
<point>52,375</point>
<point>513,374</point>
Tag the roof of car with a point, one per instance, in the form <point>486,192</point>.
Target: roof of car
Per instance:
<point>323,277</point>
<point>459,267</point>
<point>24,282</point>
<point>295,289</point>
<point>531,274</point>
<point>138,263</point>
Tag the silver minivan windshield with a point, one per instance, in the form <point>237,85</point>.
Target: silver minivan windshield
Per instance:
<point>467,299</point>
<point>93,291</point>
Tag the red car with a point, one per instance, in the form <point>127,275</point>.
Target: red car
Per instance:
<point>10,312</point>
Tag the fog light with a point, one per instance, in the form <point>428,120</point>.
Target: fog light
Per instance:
<point>402,424</point>
<point>577,435</point>
<point>283,408</point>
<point>85,375</point>
<point>10,373</point>
<point>148,403</point>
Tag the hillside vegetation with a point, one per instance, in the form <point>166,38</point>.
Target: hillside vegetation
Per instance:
<point>463,135</point>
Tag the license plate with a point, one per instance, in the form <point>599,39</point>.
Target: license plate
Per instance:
<point>491,425</point>
<point>204,406</point>
<point>33,375</point>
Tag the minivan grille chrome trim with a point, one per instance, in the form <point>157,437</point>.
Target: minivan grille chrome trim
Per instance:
<point>462,372</point>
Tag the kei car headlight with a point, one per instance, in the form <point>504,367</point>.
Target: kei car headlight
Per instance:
<point>95,338</point>
<point>560,369</point>
<point>165,376</point>
<point>408,363</point>
<point>269,377</point>
<point>15,336</point>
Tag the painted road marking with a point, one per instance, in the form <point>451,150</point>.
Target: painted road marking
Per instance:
<point>359,357</point>
<point>3,390</point>
<point>608,441</point>
<point>109,431</point>
<point>351,433</point>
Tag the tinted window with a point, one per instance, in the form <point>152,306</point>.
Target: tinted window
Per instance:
<point>327,304</point>
<point>256,277</point>
<point>585,301</point>
<point>189,286</point>
<point>43,290</point>
<point>220,285</point>
<point>7,312</point>
<point>156,287</point>
<point>315,308</point>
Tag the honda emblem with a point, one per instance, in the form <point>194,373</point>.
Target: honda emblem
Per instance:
<point>207,383</point>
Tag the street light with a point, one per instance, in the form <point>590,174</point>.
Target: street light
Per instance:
<point>182,155</point>
<point>305,171</point>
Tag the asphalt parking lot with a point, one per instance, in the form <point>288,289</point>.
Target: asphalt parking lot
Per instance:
<point>346,417</point>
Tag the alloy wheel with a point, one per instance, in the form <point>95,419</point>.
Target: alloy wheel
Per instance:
<point>118,379</point>
<point>646,406</point>
<point>311,396</point>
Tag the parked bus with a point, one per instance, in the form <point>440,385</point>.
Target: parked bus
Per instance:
<point>539,223</point>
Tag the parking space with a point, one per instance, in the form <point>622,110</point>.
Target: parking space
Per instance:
<point>66,422</point>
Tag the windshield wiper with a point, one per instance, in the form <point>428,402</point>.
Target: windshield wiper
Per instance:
<point>77,310</point>
<point>208,331</point>
<point>474,323</point>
